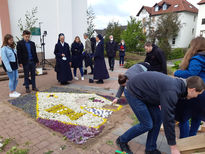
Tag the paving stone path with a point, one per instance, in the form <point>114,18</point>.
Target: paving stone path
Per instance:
<point>15,123</point>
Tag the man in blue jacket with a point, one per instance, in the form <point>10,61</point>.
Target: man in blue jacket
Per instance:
<point>145,92</point>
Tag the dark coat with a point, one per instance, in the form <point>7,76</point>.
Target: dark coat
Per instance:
<point>193,108</point>
<point>22,52</point>
<point>93,44</point>
<point>157,60</point>
<point>111,48</point>
<point>100,70</point>
<point>121,51</point>
<point>62,67</point>
<point>77,55</point>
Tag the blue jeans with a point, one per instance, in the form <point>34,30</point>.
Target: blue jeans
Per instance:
<point>186,130</point>
<point>30,68</point>
<point>75,71</point>
<point>150,121</point>
<point>121,59</point>
<point>13,79</point>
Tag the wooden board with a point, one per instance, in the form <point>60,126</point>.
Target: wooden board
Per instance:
<point>192,144</point>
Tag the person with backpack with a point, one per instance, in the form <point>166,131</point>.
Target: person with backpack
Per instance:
<point>10,64</point>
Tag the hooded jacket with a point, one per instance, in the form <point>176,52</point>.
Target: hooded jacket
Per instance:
<point>196,67</point>
<point>157,60</point>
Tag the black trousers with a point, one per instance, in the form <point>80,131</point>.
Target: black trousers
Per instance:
<point>30,68</point>
<point>111,61</point>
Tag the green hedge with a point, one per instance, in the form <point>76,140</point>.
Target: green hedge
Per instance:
<point>176,53</point>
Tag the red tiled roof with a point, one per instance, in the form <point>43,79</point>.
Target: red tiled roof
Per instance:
<point>201,2</point>
<point>173,6</point>
<point>147,8</point>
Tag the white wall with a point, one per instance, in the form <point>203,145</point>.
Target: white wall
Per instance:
<point>185,34</point>
<point>57,17</point>
<point>79,18</point>
<point>201,15</point>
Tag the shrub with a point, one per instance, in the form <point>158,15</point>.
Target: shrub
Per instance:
<point>130,63</point>
<point>176,54</point>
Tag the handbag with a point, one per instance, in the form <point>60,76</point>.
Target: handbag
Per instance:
<point>14,65</point>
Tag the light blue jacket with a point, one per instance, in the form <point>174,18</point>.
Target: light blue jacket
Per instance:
<point>8,56</point>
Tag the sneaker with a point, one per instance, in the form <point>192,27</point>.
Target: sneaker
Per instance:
<point>123,146</point>
<point>82,78</point>
<point>17,93</point>
<point>13,95</point>
<point>153,152</point>
<point>76,78</point>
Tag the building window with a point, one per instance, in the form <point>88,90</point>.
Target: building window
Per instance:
<point>173,41</point>
<point>194,18</point>
<point>164,7</point>
<point>192,31</point>
<point>156,8</point>
<point>203,21</point>
<point>143,20</point>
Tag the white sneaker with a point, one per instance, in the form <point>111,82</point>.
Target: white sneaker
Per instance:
<point>82,78</point>
<point>76,78</point>
<point>17,93</point>
<point>13,95</point>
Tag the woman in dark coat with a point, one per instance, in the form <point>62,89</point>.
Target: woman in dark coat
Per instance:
<point>100,70</point>
<point>77,57</point>
<point>63,60</point>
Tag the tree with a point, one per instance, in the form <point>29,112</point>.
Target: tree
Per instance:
<point>30,20</point>
<point>90,21</point>
<point>150,32</point>
<point>168,26</point>
<point>113,28</point>
<point>134,36</point>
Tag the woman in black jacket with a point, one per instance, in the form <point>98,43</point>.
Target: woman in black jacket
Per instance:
<point>77,57</point>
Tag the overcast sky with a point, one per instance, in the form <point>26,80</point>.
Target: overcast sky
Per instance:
<point>119,10</point>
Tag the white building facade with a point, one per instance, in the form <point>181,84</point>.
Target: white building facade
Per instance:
<point>201,19</point>
<point>187,16</point>
<point>55,16</point>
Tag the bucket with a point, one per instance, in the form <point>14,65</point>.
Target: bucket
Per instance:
<point>39,71</point>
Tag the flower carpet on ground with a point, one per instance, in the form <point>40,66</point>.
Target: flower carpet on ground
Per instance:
<point>78,116</point>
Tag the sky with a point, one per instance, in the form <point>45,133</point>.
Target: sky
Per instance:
<point>119,10</point>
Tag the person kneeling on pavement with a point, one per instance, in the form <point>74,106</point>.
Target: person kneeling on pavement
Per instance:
<point>144,93</point>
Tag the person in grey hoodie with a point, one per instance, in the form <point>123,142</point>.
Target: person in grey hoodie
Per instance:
<point>145,92</point>
<point>130,73</point>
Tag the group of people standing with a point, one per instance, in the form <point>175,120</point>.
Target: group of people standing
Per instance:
<point>91,56</point>
<point>24,56</point>
<point>156,98</point>
<point>79,57</point>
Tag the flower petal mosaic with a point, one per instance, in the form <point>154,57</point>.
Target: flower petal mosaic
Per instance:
<point>77,116</point>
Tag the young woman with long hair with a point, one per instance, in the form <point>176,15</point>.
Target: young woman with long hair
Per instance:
<point>10,65</point>
<point>77,57</point>
<point>193,64</point>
